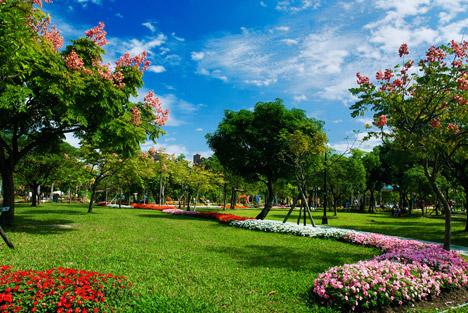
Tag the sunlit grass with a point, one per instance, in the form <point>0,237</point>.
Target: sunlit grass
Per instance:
<point>177,263</point>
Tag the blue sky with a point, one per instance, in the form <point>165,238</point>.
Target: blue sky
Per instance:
<point>211,55</point>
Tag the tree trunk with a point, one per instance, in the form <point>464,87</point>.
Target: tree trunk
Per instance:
<point>233,198</point>
<point>8,196</point>
<point>268,203</point>
<point>225,197</point>
<point>196,200</point>
<point>371,202</point>
<point>466,209</point>
<point>34,195</point>
<point>445,205</point>
<point>91,199</point>
<point>51,197</point>
<point>188,200</point>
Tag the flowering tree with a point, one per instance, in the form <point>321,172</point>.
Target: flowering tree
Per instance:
<point>46,93</point>
<point>424,106</point>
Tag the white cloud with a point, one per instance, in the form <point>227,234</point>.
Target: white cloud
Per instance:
<point>290,42</point>
<point>197,55</point>
<point>282,28</point>
<point>177,38</point>
<point>156,68</point>
<point>84,3</point>
<point>199,129</point>
<point>149,26</point>
<point>137,46</point>
<point>300,98</point>
<point>119,15</point>
<point>293,6</point>
<point>260,83</point>
<point>263,4</point>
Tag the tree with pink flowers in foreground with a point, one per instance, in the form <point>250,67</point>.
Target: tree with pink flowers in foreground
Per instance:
<point>422,106</point>
<point>47,91</point>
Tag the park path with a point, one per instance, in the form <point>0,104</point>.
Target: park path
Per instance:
<point>460,249</point>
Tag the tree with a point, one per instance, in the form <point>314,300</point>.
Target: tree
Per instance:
<point>46,93</point>
<point>248,143</point>
<point>305,146</point>
<point>38,168</point>
<point>425,109</point>
<point>345,173</point>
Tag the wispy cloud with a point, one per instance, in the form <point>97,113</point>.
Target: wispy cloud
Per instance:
<point>197,55</point>
<point>177,37</point>
<point>150,26</point>
<point>156,69</point>
<point>296,6</point>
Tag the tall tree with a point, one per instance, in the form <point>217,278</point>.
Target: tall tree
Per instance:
<point>424,107</point>
<point>248,143</point>
<point>46,93</point>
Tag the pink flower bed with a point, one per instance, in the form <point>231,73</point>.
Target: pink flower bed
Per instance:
<point>407,271</point>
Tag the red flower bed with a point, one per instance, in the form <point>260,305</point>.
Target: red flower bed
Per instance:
<point>152,206</point>
<point>222,217</point>
<point>61,290</point>
<point>235,207</point>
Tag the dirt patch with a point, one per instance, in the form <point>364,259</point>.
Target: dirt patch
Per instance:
<point>444,301</point>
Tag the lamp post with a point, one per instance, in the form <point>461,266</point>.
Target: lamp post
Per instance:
<point>324,217</point>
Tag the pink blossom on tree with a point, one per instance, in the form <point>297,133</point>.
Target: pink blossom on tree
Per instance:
<point>73,61</point>
<point>362,79</point>
<point>382,121</point>
<point>39,2</point>
<point>454,127</point>
<point>435,122</point>
<point>97,34</point>
<point>403,50</point>
<point>135,119</point>
<point>43,29</point>
<point>160,114</point>
<point>136,61</point>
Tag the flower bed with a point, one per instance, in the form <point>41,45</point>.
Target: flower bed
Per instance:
<point>237,206</point>
<point>61,290</point>
<point>152,206</point>
<point>220,217</point>
<point>408,270</point>
<point>286,228</point>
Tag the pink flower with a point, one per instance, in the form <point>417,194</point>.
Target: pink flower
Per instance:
<point>453,127</point>
<point>97,34</point>
<point>403,50</point>
<point>136,117</point>
<point>382,121</point>
<point>435,122</point>
<point>379,75</point>
<point>398,83</point>
<point>388,74</point>
<point>73,61</point>
<point>362,79</point>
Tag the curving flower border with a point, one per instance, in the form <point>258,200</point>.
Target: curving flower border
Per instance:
<point>407,271</point>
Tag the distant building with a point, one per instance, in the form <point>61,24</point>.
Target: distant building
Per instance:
<point>198,159</point>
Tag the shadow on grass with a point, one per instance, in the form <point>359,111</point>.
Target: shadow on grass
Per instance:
<point>269,256</point>
<point>24,224</point>
<point>52,211</point>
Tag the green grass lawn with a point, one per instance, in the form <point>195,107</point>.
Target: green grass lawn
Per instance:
<point>177,263</point>
<point>416,227</point>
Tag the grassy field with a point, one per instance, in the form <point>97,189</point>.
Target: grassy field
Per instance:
<point>426,228</point>
<point>177,263</point>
